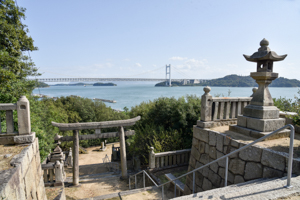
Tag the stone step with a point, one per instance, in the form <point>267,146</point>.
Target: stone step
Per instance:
<point>257,189</point>
<point>120,194</point>
<point>90,177</point>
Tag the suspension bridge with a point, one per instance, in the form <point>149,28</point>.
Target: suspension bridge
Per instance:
<point>167,79</point>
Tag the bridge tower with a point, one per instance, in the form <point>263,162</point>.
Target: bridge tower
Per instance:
<point>168,83</point>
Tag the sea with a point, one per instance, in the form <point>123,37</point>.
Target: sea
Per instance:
<point>129,94</point>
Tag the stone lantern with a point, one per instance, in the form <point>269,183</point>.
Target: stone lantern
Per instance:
<point>261,116</point>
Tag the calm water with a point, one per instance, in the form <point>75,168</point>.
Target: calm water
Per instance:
<point>133,93</point>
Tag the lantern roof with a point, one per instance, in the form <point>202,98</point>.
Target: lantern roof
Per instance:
<point>264,53</point>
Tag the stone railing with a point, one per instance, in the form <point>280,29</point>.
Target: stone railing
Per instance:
<point>216,111</point>
<point>24,134</point>
<point>168,159</point>
<point>53,174</point>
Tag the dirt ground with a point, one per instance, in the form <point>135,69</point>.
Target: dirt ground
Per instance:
<point>280,144</point>
<point>92,163</point>
<point>9,149</point>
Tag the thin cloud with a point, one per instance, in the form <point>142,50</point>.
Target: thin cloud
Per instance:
<point>178,58</point>
<point>138,65</point>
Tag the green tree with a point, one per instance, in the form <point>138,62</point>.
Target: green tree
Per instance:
<point>15,66</point>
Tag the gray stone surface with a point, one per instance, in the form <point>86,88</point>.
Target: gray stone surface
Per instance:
<point>151,158</point>
<point>222,162</point>
<point>206,148</point>
<point>234,143</point>
<point>272,159</point>
<point>214,178</point>
<point>257,190</point>
<point>230,176</point>
<point>192,161</point>
<point>7,155</point>
<point>206,105</point>
<point>238,179</point>
<point>195,143</point>
<point>24,181</point>
<point>262,112</point>
<point>232,149</point>
<point>265,125</point>
<point>214,167</point>
<point>220,141</point>
<point>253,171</point>
<point>201,147</point>
<point>207,185</point>
<point>23,108</point>
<point>242,121</point>
<point>237,166</point>
<point>213,152</point>
<point>204,159</point>
<point>23,139</point>
<point>198,179</point>
<point>212,138</point>
<point>251,154</point>
<point>195,153</point>
<point>271,173</point>
<point>201,134</point>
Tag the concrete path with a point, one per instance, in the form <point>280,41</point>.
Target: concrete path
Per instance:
<point>259,189</point>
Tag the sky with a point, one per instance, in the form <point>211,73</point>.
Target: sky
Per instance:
<point>137,38</point>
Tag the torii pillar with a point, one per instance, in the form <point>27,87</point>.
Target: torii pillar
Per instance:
<point>123,153</point>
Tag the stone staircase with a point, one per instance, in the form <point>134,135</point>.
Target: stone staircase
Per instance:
<point>258,189</point>
<point>90,177</point>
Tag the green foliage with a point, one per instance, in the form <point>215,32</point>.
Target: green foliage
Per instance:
<point>104,84</point>
<point>166,124</point>
<point>14,65</point>
<point>67,110</point>
<point>41,85</point>
<point>289,105</point>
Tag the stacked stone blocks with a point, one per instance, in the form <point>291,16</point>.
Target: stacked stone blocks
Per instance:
<point>252,163</point>
<point>25,180</point>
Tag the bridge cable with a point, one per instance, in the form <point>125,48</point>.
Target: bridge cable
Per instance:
<point>181,73</point>
<point>144,72</point>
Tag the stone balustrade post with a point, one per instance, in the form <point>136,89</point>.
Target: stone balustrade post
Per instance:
<point>23,110</point>
<point>254,90</point>
<point>59,175</point>
<point>151,158</point>
<point>206,103</point>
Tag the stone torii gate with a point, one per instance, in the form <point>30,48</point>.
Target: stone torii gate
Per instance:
<point>75,127</point>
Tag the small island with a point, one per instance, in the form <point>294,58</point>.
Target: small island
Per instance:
<point>42,85</point>
<point>73,84</point>
<point>104,84</point>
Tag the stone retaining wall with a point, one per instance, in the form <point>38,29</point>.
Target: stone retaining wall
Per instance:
<point>25,180</point>
<point>252,163</point>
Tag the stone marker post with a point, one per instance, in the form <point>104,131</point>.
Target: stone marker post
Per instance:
<point>151,158</point>
<point>206,105</point>
<point>75,157</point>
<point>23,110</point>
<point>59,175</point>
<point>123,153</point>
